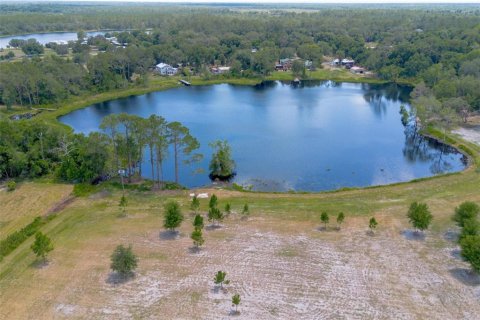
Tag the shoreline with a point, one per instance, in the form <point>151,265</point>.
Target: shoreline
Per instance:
<point>431,133</point>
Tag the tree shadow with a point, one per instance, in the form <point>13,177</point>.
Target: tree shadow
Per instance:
<point>456,254</point>
<point>451,235</point>
<point>194,250</point>
<point>213,227</point>
<point>466,276</point>
<point>39,263</point>
<point>413,235</point>
<point>234,313</point>
<point>218,289</point>
<point>116,278</point>
<point>322,228</point>
<point>169,235</point>
<point>244,218</point>
<point>370,233</point>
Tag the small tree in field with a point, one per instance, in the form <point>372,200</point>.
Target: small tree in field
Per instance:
<point>466,211</point>
<point>325,219</point>
<point>419,216</point>
<point>236,301</point>
<point>213,201</point>
<point>173,216</point>
<point>340,219</point>
<point>197,238</point>
<point>198,222</point>
<point>228,209</point>
<point>220,278</point>
<point>42,245</point>
<point>215,215</point>
<point>372,224</point>
<point>123,260</point>
<point>246,210</point>
<point>470,246</point>
<point>123,203</point>
<point>195,205</point>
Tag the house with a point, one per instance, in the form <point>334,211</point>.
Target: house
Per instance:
<point>309,64</point>
<point>357,70</point>
<point>166,69</point>
<point>335,62</point>
<point>220,70</point>
<point>254,50</point>
<point>348,63</point>
<point>279,67</point>
<point>286,63</point>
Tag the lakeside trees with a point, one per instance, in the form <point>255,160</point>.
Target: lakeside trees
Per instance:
<point>438,47</point>
<point>33,148</point>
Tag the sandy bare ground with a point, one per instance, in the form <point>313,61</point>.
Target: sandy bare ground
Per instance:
<point>282,270</point>
<point>471,133</point>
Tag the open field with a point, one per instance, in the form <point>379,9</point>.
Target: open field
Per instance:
<point>279,259</point>
<point>29,200</point>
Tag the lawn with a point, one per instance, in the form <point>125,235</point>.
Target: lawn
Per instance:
<point>278,259</point>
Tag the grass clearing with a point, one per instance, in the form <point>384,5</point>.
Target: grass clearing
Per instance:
<point>30,199</point>
<point>279,260</point>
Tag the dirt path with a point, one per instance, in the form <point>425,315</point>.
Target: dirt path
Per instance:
<point>471,134</point>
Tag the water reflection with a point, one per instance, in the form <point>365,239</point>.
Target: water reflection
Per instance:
<point>321,135</point>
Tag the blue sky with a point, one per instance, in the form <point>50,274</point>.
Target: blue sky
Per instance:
<point>285,1</point>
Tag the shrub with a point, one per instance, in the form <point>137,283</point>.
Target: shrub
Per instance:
<point>123,260</point>
<point>11,185</point>
<point>419,215</point>
<point>173,215</point>
<point>466,211</point>
<point>42,245</point>
<point>15,239</point>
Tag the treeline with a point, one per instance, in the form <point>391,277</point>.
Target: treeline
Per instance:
<point>52,79</point>
<point>439,47</point>
<point>33,149</point>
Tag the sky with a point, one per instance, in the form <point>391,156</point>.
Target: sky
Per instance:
<point>287,1</point>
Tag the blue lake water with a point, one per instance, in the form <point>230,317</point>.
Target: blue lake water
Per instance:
<point>311,137</point>
<point>45,38</point>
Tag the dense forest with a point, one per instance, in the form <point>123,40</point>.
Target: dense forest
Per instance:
<point>437,50</point>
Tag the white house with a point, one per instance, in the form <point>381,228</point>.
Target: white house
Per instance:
<point>166,69</point>
<point>220,70</point>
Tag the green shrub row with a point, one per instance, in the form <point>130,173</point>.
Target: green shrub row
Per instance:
<point>15,239</point>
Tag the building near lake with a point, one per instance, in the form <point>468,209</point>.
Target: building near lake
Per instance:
<point>357,70</point>
<point>165,69</point>
<point>348,63</point>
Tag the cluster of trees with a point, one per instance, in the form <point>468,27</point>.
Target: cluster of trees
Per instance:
<point>447,96</point>
<point>129,135</point>
<point>52,79</point>
<point>30,47</point>
<point>33,149</point>
<point>466,217</point>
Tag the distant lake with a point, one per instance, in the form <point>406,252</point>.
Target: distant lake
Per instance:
<point>314,136</point>
<point>44,38</point>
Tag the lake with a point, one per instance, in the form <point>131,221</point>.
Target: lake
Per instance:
<point>45,38</point>
<point>319,135</point>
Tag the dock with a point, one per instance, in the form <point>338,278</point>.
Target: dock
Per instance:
<point>186,83</point>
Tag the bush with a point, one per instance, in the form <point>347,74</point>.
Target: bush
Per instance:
<point>471,251</point>
<point>466,211</point>
<point>419,215</point>
<point>173,215</point>
<point>15,239</point>
<point>11,185</point>
<point>123,260</point>
<point>83,189</point>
